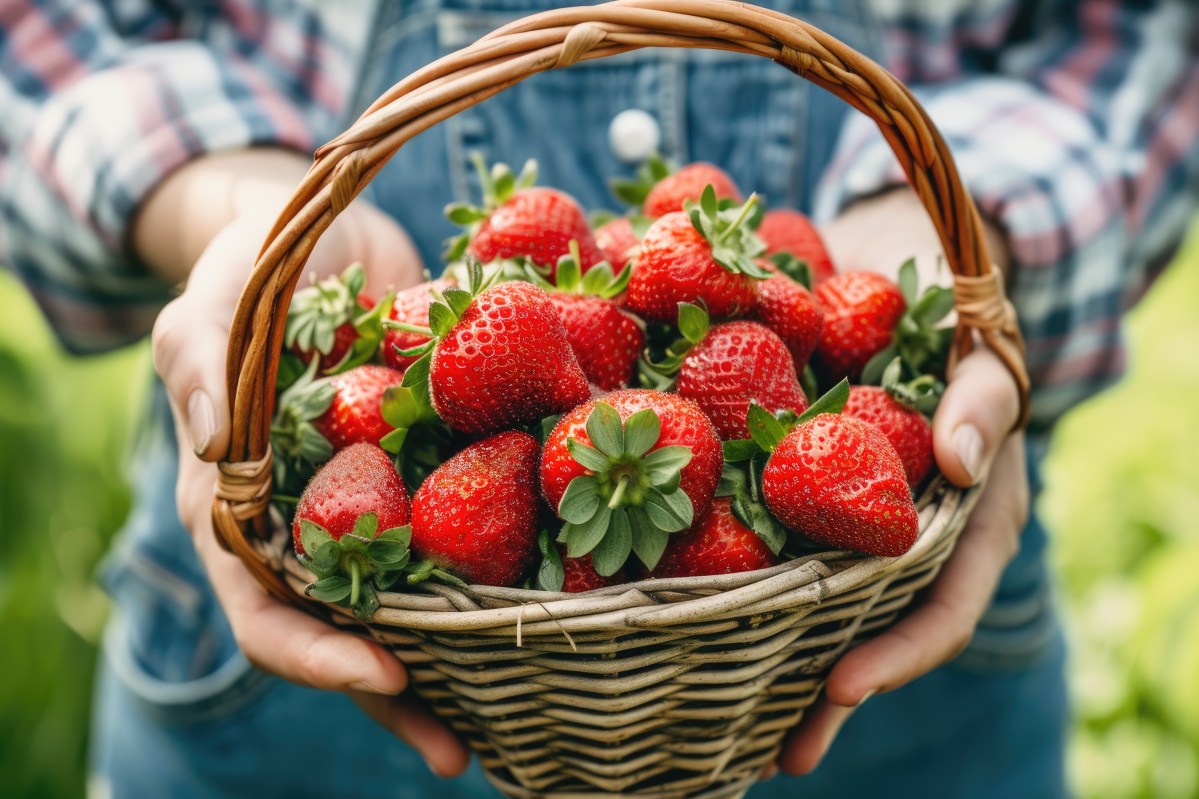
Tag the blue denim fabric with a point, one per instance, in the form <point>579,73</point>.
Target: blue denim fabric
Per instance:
<point>180,712</point>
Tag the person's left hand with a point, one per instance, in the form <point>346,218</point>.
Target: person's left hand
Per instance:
<point>972,442</point>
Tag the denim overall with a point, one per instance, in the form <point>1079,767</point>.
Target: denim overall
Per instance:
<point>182,714</point>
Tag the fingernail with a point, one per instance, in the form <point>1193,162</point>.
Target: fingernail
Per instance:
<point>201,420</point>
<point>866,696</point>
<point>363,685</point>
<point>968,444</point>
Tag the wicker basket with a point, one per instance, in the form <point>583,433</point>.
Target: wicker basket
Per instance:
<point>664,688</point>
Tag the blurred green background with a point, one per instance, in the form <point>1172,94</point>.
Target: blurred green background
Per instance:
<point>1122,498</point>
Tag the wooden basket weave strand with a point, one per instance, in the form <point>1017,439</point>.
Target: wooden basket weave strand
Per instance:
<point>665,688</point>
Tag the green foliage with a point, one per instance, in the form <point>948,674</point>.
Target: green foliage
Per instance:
<point>1122,500</point>
<point>64,424</point>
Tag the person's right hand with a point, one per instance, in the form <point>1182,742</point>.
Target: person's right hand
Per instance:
<point>189,344</point>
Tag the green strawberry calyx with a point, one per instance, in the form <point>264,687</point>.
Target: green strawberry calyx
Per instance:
<point>599,281</point>
<point>919,340</point>
<point>693,326</point>
<point>318,311</point>
<point>551,575</point>
<point>499,183</point>
<point>922,394</point>
<point>633,192</point>
<point>795,268</point>
<point>353,569</point>
<point>630,500</point>
<point>730,231</point>
<point>297,444</point>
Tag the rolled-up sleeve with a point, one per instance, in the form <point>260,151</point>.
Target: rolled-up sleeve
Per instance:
<point>95,119</point>
<point>1080,144</point>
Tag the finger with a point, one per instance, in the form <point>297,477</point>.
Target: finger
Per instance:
<point>943,624</point>
<point>409,721</point>
<point>808,743</point>
<point>285,641</point>
<point>979,409</point>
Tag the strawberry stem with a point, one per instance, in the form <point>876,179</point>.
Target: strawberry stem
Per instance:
<point>749,206</point>
<point>407,328</point>
<point>614,502</point>
<point>355,581</point>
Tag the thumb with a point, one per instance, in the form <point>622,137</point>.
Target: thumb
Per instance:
<point>979,409</point>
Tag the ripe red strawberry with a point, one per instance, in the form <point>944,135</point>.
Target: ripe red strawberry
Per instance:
<point>476,514</point>
<point>838,481</point>
<point>688,183</point>
<point>717,544</point>
<point>860,311</point>
<point>606,341</point>
<point>785,230</point>
<point>906,428</point>
<point>628,469</point>
<point>737,362</point>
<point>617,241</point>
<point>704,256</point>
<point>504,362</point>
<point>354,414</point>
<point>582,576</point>
<point>790,310</point>
<point>411,307</point>
<point>321,318</point>
<point>520,220</point>
<point>349,527</point>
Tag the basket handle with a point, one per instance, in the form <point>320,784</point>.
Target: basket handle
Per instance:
<point>552,40</point>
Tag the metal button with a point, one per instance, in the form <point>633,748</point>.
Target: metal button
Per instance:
<point>634,135</point>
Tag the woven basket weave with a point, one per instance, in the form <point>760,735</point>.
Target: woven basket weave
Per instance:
<point>663,688</point>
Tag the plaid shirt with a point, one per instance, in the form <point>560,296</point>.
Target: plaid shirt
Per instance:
<point>1073,124</point>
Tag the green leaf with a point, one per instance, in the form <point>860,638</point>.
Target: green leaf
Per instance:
<point>385,553</point>
<point>641,431</point>
<point>586,456</point>
<point>582,538</point>
<point>630,192</point>
<point>401,535</point>
<point>464,214</point>
<point>765,430</point>
<point>313,536</point>
<point>693,322</point>
<point>569,274</point>
<point>909,282</point>
<point>605,430</point>
<point>368,602</point>
<point>325,559</point>
<point>795,268</point>
<point>418,373</point>
<point>833,401</point>
<point>707,201</point>
<point>290,369</point>
<point>740,449</point>
<point>580,501</point>
<point>457,300</point>
<point>648,541</point>
<point>393,442</point>
<point>670,512</point>
<point>612,551</point>
<point>330,589</point>
<point>934,306</point>
<point>665,463</point>
<point>732,480</point>
<point>367,525</point>
<point>546,427</point>
<point>551,574</point>
<point>441,319</point>
<point>872,372</point>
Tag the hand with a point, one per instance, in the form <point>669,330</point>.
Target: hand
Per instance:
<point>189,343</point>
<point>971,440</point>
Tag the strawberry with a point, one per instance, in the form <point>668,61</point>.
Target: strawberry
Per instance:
<point>617,241</point>
<point>354,414</point>
<point>476,514</point>
<point>787,307</point>
<point>505,360</point>
<point>606,341</point>
<point>838,481</point>
<point>520,220</point>
<point>786,231</point>
<point>337,524</point>
<point>330,318</point>
<point>411,307</point>
<point>625,471</point>
<point>717,544</point>
<point>734,364</point>
<point>860,312</point>
<point>703,256</point>
<point>898,409</point>
<point>671,192</point>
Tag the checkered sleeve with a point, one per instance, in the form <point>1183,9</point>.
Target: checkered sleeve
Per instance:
<point>1080,144</point>
<point>102,101</point>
